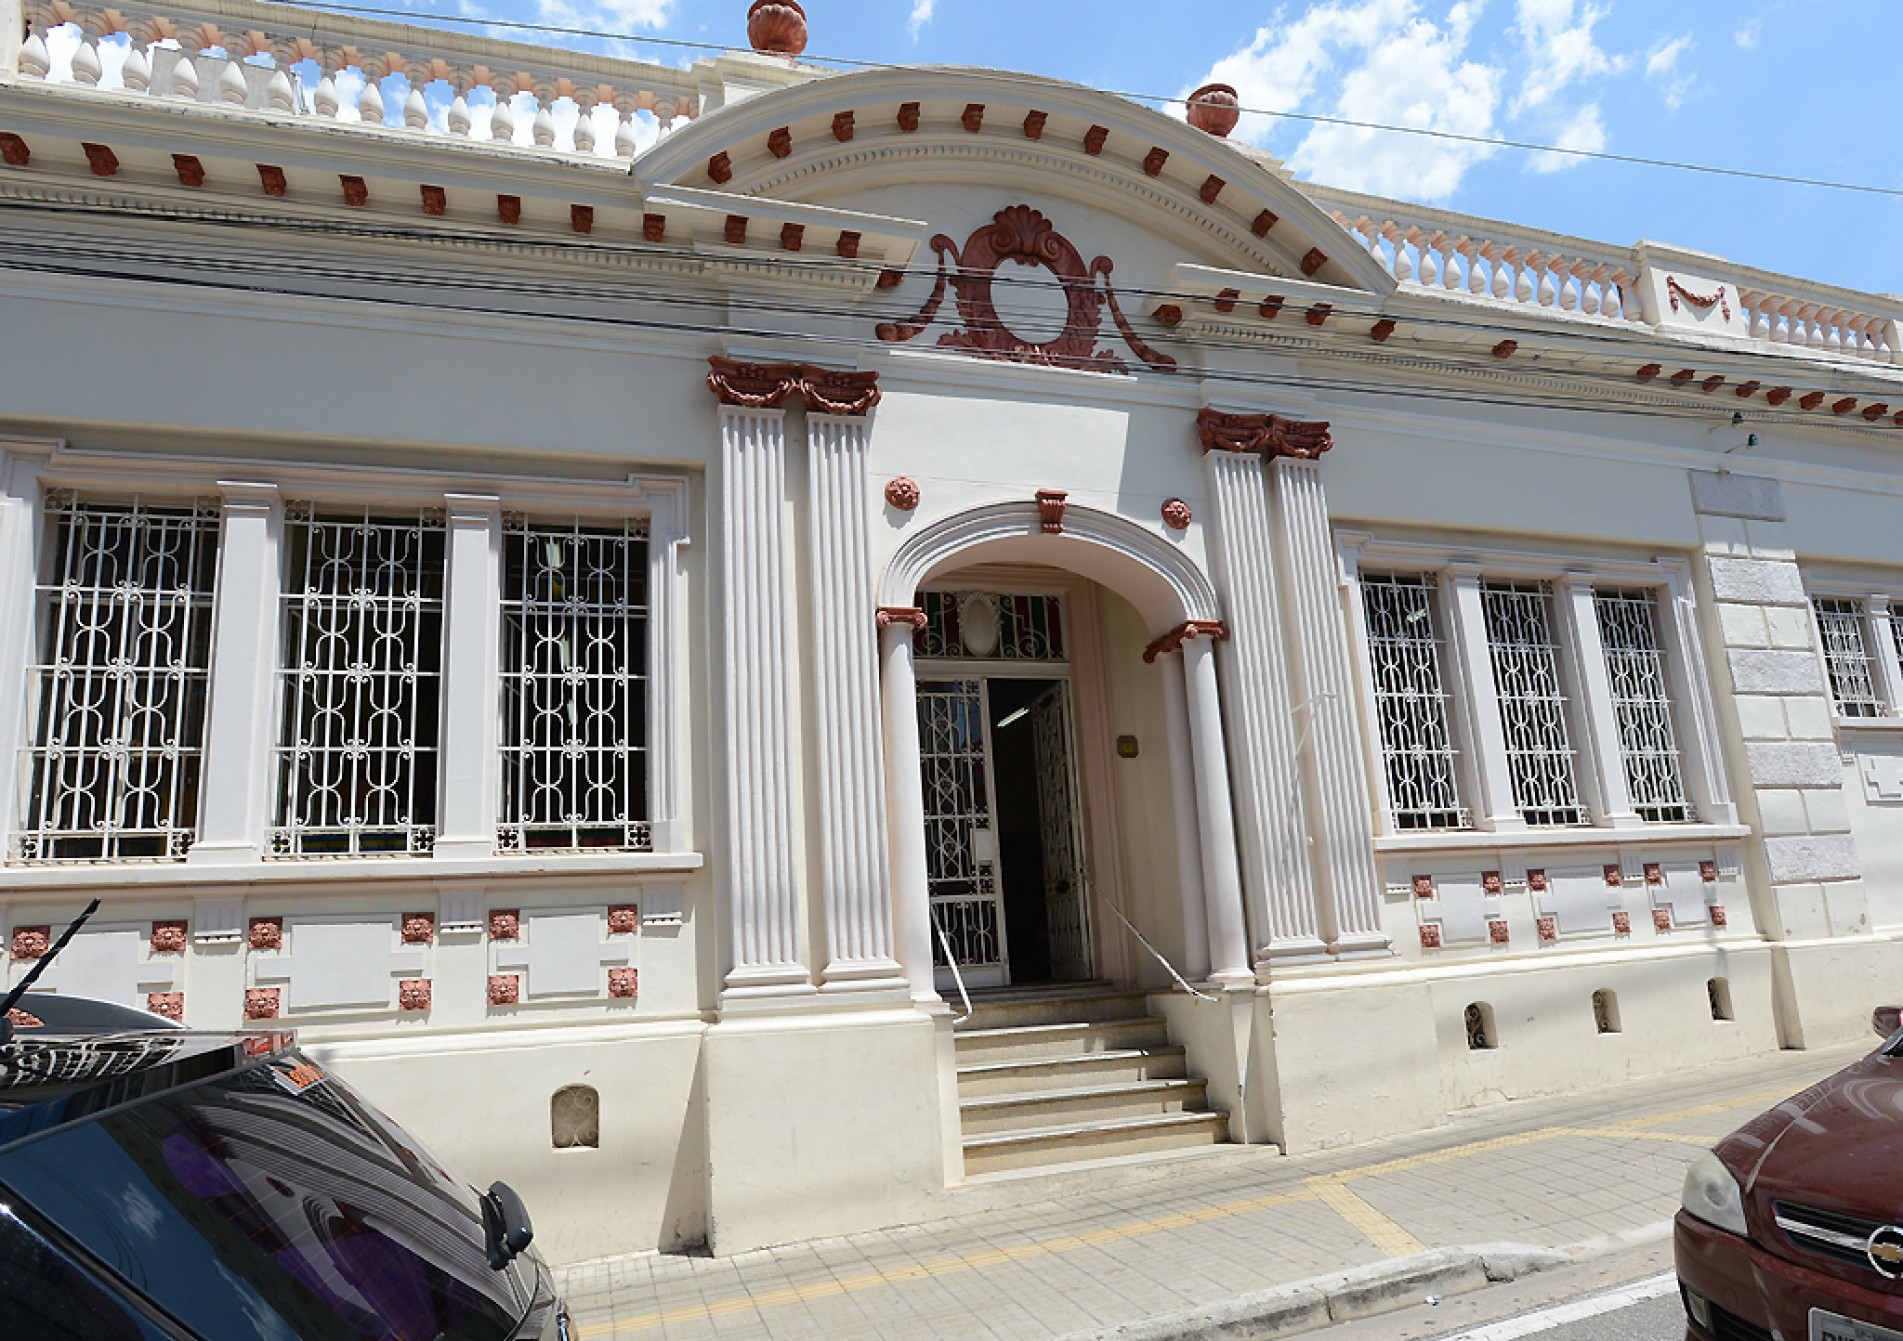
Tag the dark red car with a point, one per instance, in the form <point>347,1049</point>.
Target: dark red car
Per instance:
<point>1792,1226</point>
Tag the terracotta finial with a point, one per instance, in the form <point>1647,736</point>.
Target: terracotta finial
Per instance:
<point>777,27</point>
<point>1215,109</point>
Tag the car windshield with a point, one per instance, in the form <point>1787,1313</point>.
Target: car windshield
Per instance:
<point>273,1205</point>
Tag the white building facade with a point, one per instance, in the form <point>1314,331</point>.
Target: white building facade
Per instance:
<point>747,647</point>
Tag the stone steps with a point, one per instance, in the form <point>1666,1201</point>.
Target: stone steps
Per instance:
<point>1049,1073</point>
<point>1054,1077</point>
<point>1092,1140</point>
<point>1080,1104</point>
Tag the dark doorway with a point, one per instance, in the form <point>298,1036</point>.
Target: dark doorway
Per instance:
<point>1021,856</point>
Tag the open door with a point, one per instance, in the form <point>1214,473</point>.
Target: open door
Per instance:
<point>1066,883</point>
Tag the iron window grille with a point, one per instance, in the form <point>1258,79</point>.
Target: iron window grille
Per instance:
<point>1541,761</point>
<point>1028,628</point>
<point>125,639</point>
<point>1642,704</point>
<point>1853,686</point>
<point>361,684</point>
<point>574,688</point>
<point>1410,701</point>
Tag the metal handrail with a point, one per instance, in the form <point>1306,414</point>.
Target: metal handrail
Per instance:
<point>1157,955</point>
<point>951,961</point>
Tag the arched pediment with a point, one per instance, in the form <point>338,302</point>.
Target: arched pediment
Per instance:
<point>848,134</point>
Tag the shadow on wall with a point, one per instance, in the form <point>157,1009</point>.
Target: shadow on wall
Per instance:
<point>684,1217</point>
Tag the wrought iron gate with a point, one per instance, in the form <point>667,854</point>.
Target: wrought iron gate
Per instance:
<point>1066,886</point>
<point>961,849</point>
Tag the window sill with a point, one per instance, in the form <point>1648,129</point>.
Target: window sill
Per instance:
<point>1889,725</point>
<point>321,870</point>
<point>1475,840</point>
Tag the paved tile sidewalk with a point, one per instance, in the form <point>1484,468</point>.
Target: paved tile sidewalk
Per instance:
<point>1548,1172</point>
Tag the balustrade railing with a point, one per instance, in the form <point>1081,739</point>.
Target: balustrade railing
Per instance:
<point>247,53</point>
<point>1445,251</point>
<point>1784,319</point>
<point>1464,254</point>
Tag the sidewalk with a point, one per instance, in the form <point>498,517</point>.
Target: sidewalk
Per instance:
<point>1546,1173</point>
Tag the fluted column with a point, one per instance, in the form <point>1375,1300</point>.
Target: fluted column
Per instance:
<point>905,797</point>
<point>235,794</point>
<point>1276,875</point>
<point>1330,759</point>
<point>762,773</point>
<point>852,785</point>
<point>1189,847</point>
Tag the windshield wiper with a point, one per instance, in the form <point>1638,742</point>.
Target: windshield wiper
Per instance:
<point>33,974</point>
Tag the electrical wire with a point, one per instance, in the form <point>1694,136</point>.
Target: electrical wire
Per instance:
<point>1509,322</point>
<point>1006,77</point>
<point>88,259</point>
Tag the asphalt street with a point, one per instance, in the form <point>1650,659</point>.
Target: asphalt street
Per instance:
<point>1629,1296</point>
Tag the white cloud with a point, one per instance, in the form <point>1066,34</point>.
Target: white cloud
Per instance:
<point>1665,56</point>
<point>612,15</point>
<point>1662,65</point>
<point>1586,131</point>
<point>1395,67</point>
<point>1559,49</point>
<point>921,15</point>
<point>1747,36</point>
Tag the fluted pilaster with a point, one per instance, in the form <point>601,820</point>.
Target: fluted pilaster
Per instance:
<point>852,809</point>
<point>1276,875</point>
<point>1330,759</point>
<point>761,770</point>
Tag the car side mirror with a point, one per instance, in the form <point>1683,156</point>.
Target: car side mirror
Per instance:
<point>505,1224</point>
<point>1886,1020</point>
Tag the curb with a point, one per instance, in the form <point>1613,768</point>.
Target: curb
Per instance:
<point>1366,1291</point>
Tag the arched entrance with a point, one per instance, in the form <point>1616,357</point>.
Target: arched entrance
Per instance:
<point>952,692</point>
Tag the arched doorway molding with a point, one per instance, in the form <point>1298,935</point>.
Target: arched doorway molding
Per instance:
<point>1160,580</point>
<point>1167,589</point>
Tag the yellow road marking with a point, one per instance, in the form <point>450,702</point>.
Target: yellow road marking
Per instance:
<point>1330,1189</point>
<point>946,1266</point>
<point>1703,1110</point>
<point>1379,1230</point>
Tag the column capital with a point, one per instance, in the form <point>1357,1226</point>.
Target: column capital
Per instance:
<point>831,391</point>
<point>1268,434</point>
<point>901,614</point>
<point>752,386</point>
<point>768,386</point>
<point>1190,628</point>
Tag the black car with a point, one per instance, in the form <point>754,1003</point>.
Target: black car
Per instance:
<point>159,1184</point>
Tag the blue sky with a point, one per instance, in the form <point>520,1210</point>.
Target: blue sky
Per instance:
<point>1802,87</point>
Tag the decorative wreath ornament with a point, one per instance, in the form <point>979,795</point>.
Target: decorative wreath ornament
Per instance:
<point>1023,235</point>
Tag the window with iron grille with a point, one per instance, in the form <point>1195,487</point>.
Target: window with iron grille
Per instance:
<point>125,641</point>
<point>1847,657</point>
<point>574,687</point>
<point>360,684</point>
<point>1533,704</point>
<point>990,625</point>
<point>1642,704</point>
<point>1410,701</point>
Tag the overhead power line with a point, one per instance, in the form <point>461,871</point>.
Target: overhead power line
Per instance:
<point>298,274</point>
<point>1005,77</point>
